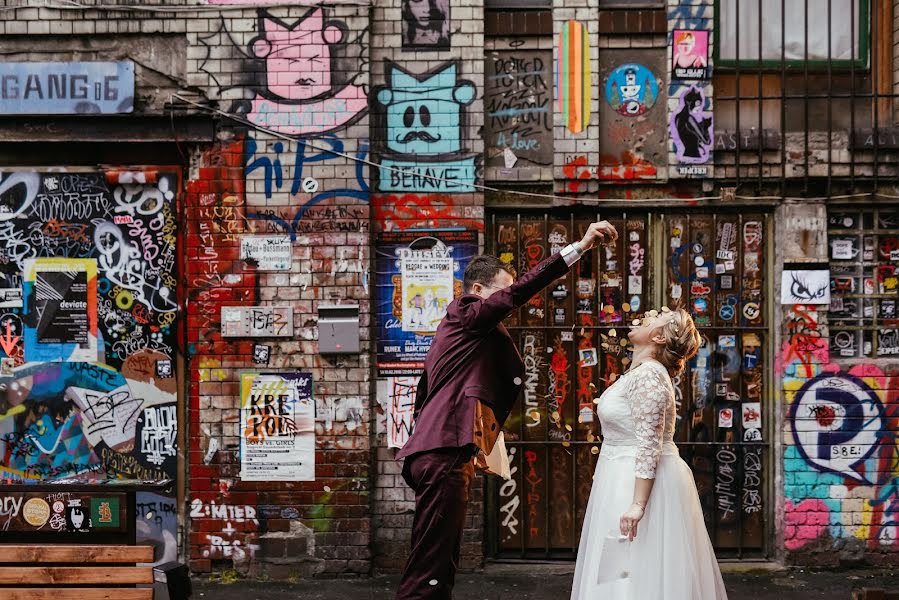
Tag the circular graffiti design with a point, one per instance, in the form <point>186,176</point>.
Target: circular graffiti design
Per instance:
<point>836,420</point>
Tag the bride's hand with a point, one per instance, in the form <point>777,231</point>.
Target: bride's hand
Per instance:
<point>630,519</point>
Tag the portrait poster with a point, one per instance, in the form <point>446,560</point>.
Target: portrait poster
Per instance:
<point>427,291</point>
<point>414,269</point>
<point>277,427</point>
<point>60,312</point>
<point>692,131</point>
<point>805,283</point>
<point>690,54</point>
<point>426,24</point>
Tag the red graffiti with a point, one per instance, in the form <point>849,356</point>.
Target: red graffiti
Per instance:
<point>397,212</point>
<point>626,167</point>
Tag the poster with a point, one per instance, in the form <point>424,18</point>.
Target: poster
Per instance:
<point>277,427</point>
<point>426,24</point>
<point>691,128</point>
<point>805,283</point>
<point>418,273</point>
<point>60,316</point>
<point>690,54</point>
<point>632,89</point>
<point>427,291</point>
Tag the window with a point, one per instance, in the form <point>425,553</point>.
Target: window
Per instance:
<point>845,42</point>
<point>630,3</point>
<point>863,247</point>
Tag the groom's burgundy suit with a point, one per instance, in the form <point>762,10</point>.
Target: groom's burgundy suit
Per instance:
<point>473,376</point>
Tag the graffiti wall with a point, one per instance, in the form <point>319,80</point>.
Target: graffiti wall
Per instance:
<point>278,224</point>
<point>90,285</point>
<point>841,406</point>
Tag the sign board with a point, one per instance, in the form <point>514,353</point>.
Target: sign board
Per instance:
<point>268,253</point>
<point>65,88</point>
<point>257,321</point>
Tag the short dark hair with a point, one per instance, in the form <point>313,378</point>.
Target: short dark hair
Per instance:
<point>482,269</point>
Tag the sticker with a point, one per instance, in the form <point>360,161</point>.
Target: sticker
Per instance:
<point>634,284</point>
<point>751,311</point>
<point>725,255</point>
<point>729,265</point>
<point>310,185</point>
<point>726,312</point>
<point>701,362</point>
<point>261,354</point>
<point>586,414</point>
<point>105,512</point>
<point>560,292</point>
<point>59,507</point>
<point>634,304</point>
<point>7,365</point>
<point>588,357</point>
<point>509,157</point>
<point>721,389</point>
<point>894,255</point>
<point>700,305</point>
<point>719,268</point>
<point>697,248</point>
<point>676,291</point>
<point>699,261</point>
<point>726,418</point>
<point>631,90</point>
<point>36,512</point>
<point>77,519</point>
<point>727,282</point>
<point>843,249</point>
<point>727,341</point>
<point>164,369</point>
<point>750,360</point>
<point>702,272</point>
<point>567,336</point>
<point>752,415</point>
<point>752,435</point>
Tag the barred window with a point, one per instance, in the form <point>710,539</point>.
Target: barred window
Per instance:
<point>782,33</point>
<point>863,247</point>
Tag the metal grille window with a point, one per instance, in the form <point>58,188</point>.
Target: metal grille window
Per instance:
<point>793,30</point>
<point>572,337</point>
<point>863,247</point>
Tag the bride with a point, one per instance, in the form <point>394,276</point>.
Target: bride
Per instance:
<point>644,503</point>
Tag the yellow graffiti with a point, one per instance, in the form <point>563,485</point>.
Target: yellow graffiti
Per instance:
<point>15,410</point>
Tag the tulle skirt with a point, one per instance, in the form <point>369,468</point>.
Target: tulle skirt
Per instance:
<point>672,556</point>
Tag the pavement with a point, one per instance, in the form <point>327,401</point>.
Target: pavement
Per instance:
<point>553,582</point>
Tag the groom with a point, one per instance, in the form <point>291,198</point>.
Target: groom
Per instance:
<point>473,375</point>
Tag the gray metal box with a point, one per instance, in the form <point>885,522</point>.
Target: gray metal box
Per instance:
<point>338,329</point>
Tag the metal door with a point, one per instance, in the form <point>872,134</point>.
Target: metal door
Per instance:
<point>572,339</point>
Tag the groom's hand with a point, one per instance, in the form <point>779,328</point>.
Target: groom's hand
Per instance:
<point>598,233</point>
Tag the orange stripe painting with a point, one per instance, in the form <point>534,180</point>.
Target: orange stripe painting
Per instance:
<point>573,76</point>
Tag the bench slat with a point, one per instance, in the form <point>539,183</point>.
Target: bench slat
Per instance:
<point>65,553</point>
<point>77,594</point>
<point>72,575</point>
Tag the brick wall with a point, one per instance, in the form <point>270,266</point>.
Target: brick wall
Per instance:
<point>449,82</point>
<point>839,423</point>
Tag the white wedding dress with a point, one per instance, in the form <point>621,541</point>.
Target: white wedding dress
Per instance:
<point>672,557</point>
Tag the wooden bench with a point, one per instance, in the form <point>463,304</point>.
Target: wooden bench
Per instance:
<point>74,572</point>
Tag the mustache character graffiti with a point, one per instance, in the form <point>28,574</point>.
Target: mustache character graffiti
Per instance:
<point>419,135</point>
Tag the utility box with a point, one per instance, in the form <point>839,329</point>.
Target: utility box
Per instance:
<point>338,329</point>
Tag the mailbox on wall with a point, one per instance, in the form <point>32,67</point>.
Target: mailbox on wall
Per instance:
<point>338,329</point>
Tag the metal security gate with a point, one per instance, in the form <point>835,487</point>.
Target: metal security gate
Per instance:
<point>572,337</point>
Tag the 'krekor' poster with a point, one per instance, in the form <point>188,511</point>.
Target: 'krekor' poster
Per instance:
<point>277,427</point>
<point>60,316</point>
<point>418,273</point>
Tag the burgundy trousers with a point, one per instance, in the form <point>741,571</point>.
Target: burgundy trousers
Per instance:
<point>441,480</point>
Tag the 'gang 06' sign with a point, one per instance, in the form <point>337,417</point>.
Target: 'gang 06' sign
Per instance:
<point>57,88</point>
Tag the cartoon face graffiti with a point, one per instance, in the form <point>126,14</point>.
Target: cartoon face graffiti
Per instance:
<point>631,90</point>
<point>297,56</point>
<point>424,113</point>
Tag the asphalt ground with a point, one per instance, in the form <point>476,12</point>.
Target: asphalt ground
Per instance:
<point>550,582</point>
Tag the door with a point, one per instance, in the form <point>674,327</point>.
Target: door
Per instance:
<point>572,339</point>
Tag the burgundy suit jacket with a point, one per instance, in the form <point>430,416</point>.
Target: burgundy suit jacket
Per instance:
<point>473,371</point>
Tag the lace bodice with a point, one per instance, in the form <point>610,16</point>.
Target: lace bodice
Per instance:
<point>638,410</point>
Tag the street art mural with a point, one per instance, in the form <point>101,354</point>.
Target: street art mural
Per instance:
<point>631,90</point>
<point>573,82</point>
<point>691,127</point>
<point>841,462</point>
<point>424,122</point>
<point>303,77</point>
<point>518,113</point>
<point>88,392</point>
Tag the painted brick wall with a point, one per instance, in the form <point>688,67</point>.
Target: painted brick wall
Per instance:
<point>840,418</point>
<point>450,84</point>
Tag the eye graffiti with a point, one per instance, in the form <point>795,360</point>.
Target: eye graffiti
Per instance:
<point>805,290</point>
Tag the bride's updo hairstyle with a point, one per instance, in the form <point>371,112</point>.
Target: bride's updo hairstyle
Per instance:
<point>682,341</point>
